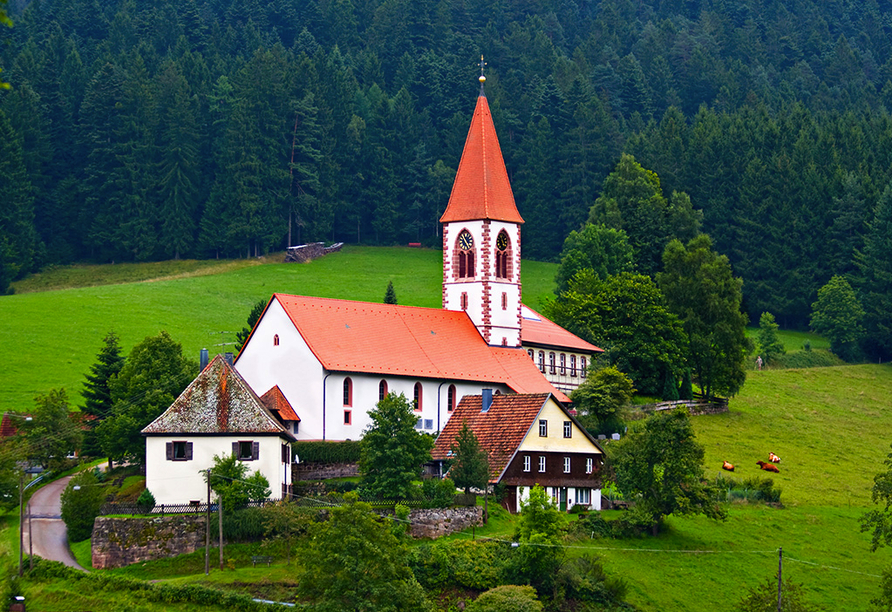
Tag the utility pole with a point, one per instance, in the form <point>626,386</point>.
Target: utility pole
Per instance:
<point>780,569</point>
<point>22,520</point>
<point>220,519</point>
<point>207,529</point>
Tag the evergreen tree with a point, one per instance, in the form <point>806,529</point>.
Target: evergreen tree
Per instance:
<point>18,238</point>
<point>876,285</point>
<point>96,393</point>
<point>242,336</point>
<point>390,294</point>
<point>770,346</point>
<point>470,463</point>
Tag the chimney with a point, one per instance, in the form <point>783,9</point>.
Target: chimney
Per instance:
<point>228,357</point>
<point>203,360</point>
<point>486,400</point>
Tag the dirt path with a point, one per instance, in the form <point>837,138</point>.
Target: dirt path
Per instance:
<point>50,534</point>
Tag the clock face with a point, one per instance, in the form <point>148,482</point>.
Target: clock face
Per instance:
<point>502,241</point>
<point>466,241</point>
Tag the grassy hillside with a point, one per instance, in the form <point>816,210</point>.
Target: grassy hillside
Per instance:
<point>52,337</point>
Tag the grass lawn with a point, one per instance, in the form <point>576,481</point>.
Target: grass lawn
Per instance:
<point>53,336</point>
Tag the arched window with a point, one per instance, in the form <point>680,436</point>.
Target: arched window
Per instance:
<point>382,390</point>
<point>582,367</point>
<point>542,361</point>
<point>276,340</point>
<point>348,392</point>
<point>503,255</point>
<point>418,397</point>
<point>464,255</point>
<point>531,354</point>
<point>572,365</point>
<point>551,367</point>
<point>450,398</point>
<point>563,365</point>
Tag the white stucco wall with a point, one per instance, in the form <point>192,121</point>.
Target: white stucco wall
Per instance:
<point>523,494</point>
<point>179,482</point>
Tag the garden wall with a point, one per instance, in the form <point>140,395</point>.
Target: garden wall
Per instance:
<point>437,522</point>
<point>118,542</point>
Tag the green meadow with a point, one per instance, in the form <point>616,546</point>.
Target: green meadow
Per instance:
<point>52,336</point>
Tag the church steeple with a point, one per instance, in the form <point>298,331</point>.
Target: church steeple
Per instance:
<point>481,235</point>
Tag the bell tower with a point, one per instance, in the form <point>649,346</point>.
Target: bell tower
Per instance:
<point>481,235</point>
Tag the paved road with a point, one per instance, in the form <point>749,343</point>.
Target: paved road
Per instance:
<point>50,533</point>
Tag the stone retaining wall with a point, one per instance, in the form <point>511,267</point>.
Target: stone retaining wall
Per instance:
<point>118,542</point>
<point>437,522</point>
<point>323,471</point>
<point>308,252</point>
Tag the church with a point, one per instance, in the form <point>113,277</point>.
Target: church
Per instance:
<point>333,360</point>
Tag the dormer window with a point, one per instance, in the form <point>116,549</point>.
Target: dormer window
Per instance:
<point>465,255</point>
<point>503,255</point>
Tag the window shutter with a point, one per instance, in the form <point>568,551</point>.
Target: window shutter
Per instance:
<point>169,446</point>
<point>235,448</point>
<point>188,451</point>
<point>255,451</point>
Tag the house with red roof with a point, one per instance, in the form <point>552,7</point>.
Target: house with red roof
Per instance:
<point>333,360</point>
<point>530,439</point>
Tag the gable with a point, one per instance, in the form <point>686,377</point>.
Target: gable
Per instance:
<point>555,417</point>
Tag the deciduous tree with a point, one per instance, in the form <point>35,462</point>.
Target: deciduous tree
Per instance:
<point>837,315</point>
<point>392,451</point>
<point>660,466</point>
<point>600,397</point>
<point>50,434</point>
<point>235,483</point>
<point>770,346</point>
<point>603,250</point>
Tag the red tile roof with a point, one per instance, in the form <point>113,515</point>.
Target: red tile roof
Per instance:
<point>500,430</point>
<point>481,189</point>
<point>8,423</point>
<point>372,338</point>
<point>275,400</point>
<point>536,329</point>
<point>218,401</point>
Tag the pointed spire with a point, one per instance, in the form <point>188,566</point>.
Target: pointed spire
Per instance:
<point>481,189</point>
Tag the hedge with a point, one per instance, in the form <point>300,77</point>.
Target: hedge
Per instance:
<point>326,452</point>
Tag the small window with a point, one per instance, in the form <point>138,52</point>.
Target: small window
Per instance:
<point>276,340</point>
<point>382,390</point>
<point>572,365</point>
<point>348,417</point>
<point>568,429</point>
<point>551,366</point>
<point>428,423</point>
<point>563,365</point>
<point>582,367</point>
<point>566,465</point>
<point>541,463</point>
<point>348,392</point>
<point>286,454</point>
<point>543,428</point>
<point>504,301</point>
<point>246,450</point>
<point>542,361</point>
<point>450,398</point>
<point>418,397</point>
<point>589,465</point>
<point>179,451</point>
<point>464,301</point>
<point>531,354</point>
<point>297,427</point>
<point>527,463</point>
<point>418,424</point>
<point>584,496</point>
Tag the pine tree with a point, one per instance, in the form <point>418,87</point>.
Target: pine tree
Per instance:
<point>470,463</point>
<point>97,395</point>
<point>18,237</point>
<point>876,285</point>
<point>390,294</point>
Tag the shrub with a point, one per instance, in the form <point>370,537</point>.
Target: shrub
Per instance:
<point>466,564</point>
<point>245,525</point>
<point>146,499</point>
<point>592,525</point>
<point>81,506</point>
<point>439,493</point>
<point>327,452</point>
<point>584,579</point>
<point>809,359</point>
<point>507,598</point>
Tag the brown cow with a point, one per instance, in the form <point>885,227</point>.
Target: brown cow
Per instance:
<point>768,467</point>
<point>727,466</point>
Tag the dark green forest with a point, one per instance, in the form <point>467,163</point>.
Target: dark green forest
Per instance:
<point>139,130</point>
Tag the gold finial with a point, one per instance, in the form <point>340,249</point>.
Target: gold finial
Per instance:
<point>482,78</point>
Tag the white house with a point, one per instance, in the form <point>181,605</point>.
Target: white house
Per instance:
<point>217,414</point>
<point>530,439</point>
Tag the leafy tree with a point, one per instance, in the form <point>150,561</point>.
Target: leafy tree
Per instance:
<point>390,294</point>
<point>837,315</point>
<point>81,505</point>
<point>353,562</point>
<point>660,466</point>
<point>538,559</point>
<point>601,396</point>
<point>539,515</point>
<point>392,451</point>
<point>701,290</point>
<point>9,474</point>
<point>96,392</point>
<point>287,523</point>
<point>770,346</point>
<point>626,316</point>
<point>242,336</point>
<point>763,598</point>
<point>470,463</point>
<point>879,522</point>
<point>234,483</point>
<point>507,598</point>
<point>155,373</point>
<point>603,250</point>
<point>51,434</point>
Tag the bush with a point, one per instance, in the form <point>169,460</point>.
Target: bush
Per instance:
<point>326,452</point>
<point>818,358</point>
<point>591,525</point>
<point>753,490</point>
<point>245,525</point>
<point>584,579</point>
<point>507,598</point>
<point>439,493</point>
<point>146,500</point>
<point>465,564</point>
<point>81,506</point>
